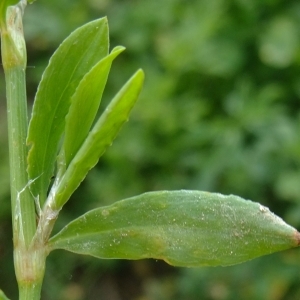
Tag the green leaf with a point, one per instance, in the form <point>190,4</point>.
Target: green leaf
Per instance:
<point>184,228</point>
<point>85,104</point>
<point>100,137</point>
<point>75,57</point>
<point>2,296</point>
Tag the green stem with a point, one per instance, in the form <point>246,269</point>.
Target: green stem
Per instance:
<point>23,209</point>
<point>31,266</point>
<point>14,62</point>
<point>29,260</point>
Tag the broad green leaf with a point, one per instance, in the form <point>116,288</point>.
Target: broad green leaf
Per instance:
<point>2,296</point>
<point>84,105</point>
<point>184,228</point>
<point>75,57</point>
<point>100,137</point>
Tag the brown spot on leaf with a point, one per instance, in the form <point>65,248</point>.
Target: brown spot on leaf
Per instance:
<point>297,238</point>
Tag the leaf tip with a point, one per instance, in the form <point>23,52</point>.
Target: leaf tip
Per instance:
<point>118,49</point>
<point>140,73</point>
<point>297,238</point>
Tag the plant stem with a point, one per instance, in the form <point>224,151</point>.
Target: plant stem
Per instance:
<point>14,63</point>
<point>29,261</point>
<point>31,264</point>
<point>23,209</point>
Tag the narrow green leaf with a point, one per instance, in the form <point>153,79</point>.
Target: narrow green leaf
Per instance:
<point>184,228</point>
<point>85,104</point>
<point>72,60</point>
<point>2,296</point>
<point>100,137</point>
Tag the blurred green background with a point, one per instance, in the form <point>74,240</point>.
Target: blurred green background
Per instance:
<point>219,112</point>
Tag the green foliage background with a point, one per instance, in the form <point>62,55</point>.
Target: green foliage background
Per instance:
<point>219,112</point>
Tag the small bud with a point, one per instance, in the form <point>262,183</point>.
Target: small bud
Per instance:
<point>12,37</point>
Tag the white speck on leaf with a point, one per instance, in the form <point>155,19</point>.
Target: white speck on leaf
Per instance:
<point>263,209</point>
